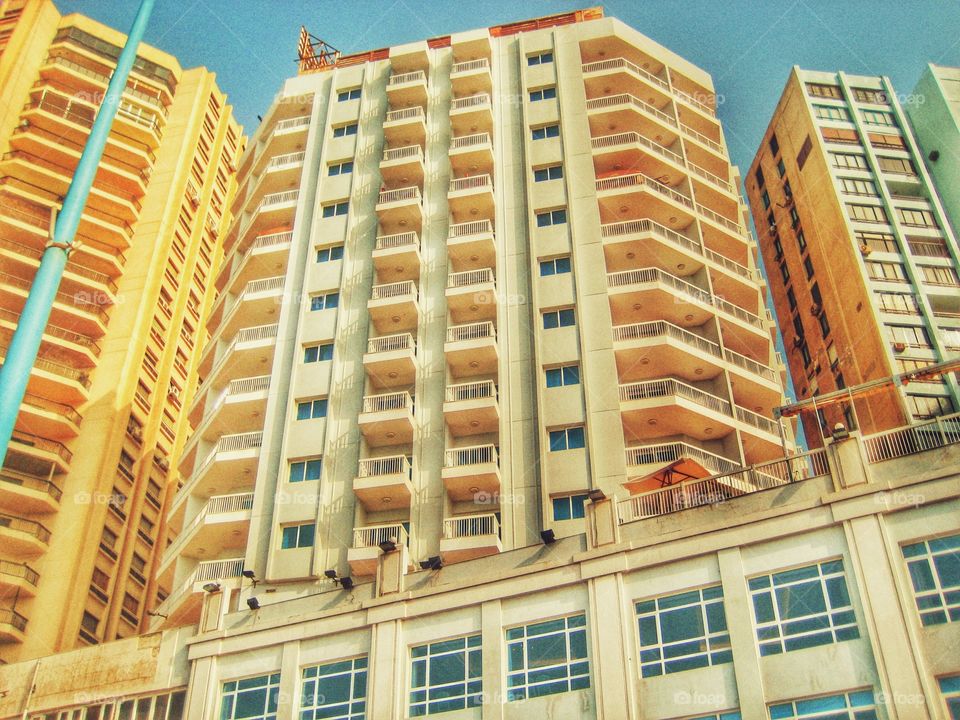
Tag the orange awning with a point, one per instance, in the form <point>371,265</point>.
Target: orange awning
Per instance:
<point>677,471</point>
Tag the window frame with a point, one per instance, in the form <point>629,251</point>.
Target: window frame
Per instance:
<point>472,696</point>
<point>577,668</point>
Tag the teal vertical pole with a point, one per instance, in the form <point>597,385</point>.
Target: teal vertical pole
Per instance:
<point>25,343</point>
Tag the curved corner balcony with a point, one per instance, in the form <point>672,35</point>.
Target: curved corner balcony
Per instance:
<point>49,379</point>
<point>23,538</point>
<point>636,196</point>
<point>383,483</point>
<point>27,493</point>
<point>18,579</point>
<point>665,407</point>
<point>391,360</point>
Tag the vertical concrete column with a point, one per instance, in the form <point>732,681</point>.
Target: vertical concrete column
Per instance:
<point>491,632</point>
<point>746,654</point>
<point>202,691</point>
<point>848,461</point>
<point>614,667</point>
<point>289,680</point>
<point>385,680</point>
<point>604,529</point>
<point>900,666</point>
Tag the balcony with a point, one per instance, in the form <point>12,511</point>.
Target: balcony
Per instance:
<point>387,419</point>
<point>649,350</point>
<point>652,466</point>
<point>754,384</point>
<point>469,115</point>
<point>472,245</point>
<point>405,127</point>
<point>471,473</point>
<point>636,196</point>
<point>470,198</point>
<point>394,307</point>
<point>280,174</point>
<point>48,419</point>
<point>26,259</point>
<point>472,408</point>
<point>250,352</point>
<point>471,77</point>
<point>623,74</point>
<point>649,294</point>
<point>472,154</point>
<point>66,344</point>
<point>258,302</point>
<point>273,210</point>
<point>466,537</point>
<point>397,257</point>
<point>182,606</point>
<point>633,150</point>
<point>221,525</point>
<point>81,311</point>
<point>471,349</point>
<point>364,554</point>
<point>384,483</point>
<point>665,407</point>
<point>22,492</point>
<point>13,626</point>
<point>239,407</point>
<point>287,136</point>
<point>17,579</point>
<point>391,360</point>
<point>407,89</point>
<point>402,166</point>
<point>23,538</point>
<point>53,379</point>
<point>36,456</point>
<point>762,439</point>
<point>723,235</point>
<point>472,295</point>
<point>231,465</point>
<point>267,254</point>
<point>400,210</point>
<point>625,112</point>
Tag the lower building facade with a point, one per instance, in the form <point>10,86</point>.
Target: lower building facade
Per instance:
<point>833,592</point>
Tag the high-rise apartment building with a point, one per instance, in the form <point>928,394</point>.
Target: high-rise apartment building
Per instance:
<point>470,280</point>
<point>934,113</point>
<point>860,257</point>
<point>83,487</point>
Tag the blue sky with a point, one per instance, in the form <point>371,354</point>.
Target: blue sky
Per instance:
<point>748,46</point>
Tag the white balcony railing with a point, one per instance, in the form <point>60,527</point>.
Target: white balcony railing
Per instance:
<point>372,535</point>
<point>670,387</point>
<point>469,66</point>
<point>409,151</point>
<point>936,433</point>
<point>666,453</point>
<point>473,182</point>
<point>624,64</point>
<point>470,277</point>
<point>378,467</point>
<point>394,290</point>
<point>387,402</point>
<point>468,229</point>
<point>472,101</point>
<point>405,239</point>
<point>399,195</point>
<point>404,78</point>
<point>615,101</point>
<point>391,343</point>
<point>471,331</point>
<point>758,421</point>
<point>482,390</point>
<point>470,526</point>
<point>750,365</point>
<point>662,328</point>
<point>278,198</point>
<point>639,180</point>
<point>474,455</point>
<point>289,124</point>
<point>466,141</point>
<point>630,138</point>
<point>644,226</point>
<point>285,160</point>
<point>410,113</point>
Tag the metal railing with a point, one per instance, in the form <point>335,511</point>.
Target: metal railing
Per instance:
<point>394,290</point>
<point>403,152</point>
<point>371,536</point>
<point>46,487</point>
<point>471,331</point>
<point>104,80</point>
<point>758,421</point>
<point>720,488</point>
<point>639,180</point>
<point>629,138</point>
<point>278,198</point>
<point>216,505</point>
<point>19,570</point>
<point>405,239</point>
<point>720,220</point>
<point>28,527</point>
<point>662,328</point>
<point>245,335</point>
<point>410,113</point>
<point>49,446</point>
<point>482,390</point>
<point>51,366</point>
<point>670,387</point>
<point>12,617</point>
<point>468,65</point>
<point>701,138</point>
<point>750,365</point>
<point>470,102</point>
<point>55,331</point>
<point>929,248</point>
<point>465,141</point>
<point>403,78</point>
<point>651,275</point>
<point>226,443</point>
<point>470,526</point>
<point>690,100</point>
<point>378,467</point>
<point>241,386</point>
<point>473,182</point>
<point>72,267</point>
<point>710,177</point>
<point>42,403</point>
<point>623,63</point>
<point>391,343</point>
<point>470,277</point>
<point>666,453</point>
<point>936,433</point>
<point>294,123</point>
<point>473,455</point>
<point>277,161</point>
<point>467,229</point>
<point>77,300</point>
<point>631,227</point>
<point>610,101</point>
<point>400,194</point>
<point>387,402</point>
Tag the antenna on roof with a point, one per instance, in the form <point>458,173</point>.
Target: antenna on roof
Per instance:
<point>314,54</point>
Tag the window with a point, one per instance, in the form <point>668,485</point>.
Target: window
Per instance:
<point>831,112</point>
<point>318,353</point>
<point>867,213</point>
<point>766,200</point>
<point>784,273</point>
<point>894,142</point>
<point>781,168</point>
<point>759,177</point>
<point>566,439</point>
<point>547,93</point>
<point>808,267</point>
<point>911,335</point>
<point>683,631</point>
<point>900,166</point>
<point>547,131</point>
<point>305,470</point>
<point>801,241</point>
<point>569,507</point>
<point>339,208</point>
<point>887,271</point>
<point>312,409</point>
<point>89,622</point>
<point>934,567</point>
<point>340,168</point>
<point>546,658</point>
<point>824,324</point>
<point>847,706</point>
<point>556,266</point>
<point>554,172</point>
<point>877,97</point>
<point>255,698</point>
<point>950,690</point>
<point>792,298</point>
<point>794,218</point>
<point>564,375</point>
<point>882,242</point>
<point>849,161</point>
<point>774,144</point>
<point>108,541</point>
<point>802,608</point>
<point>552,217</point>
<point>345,130</point>
<point>336,690</point>
<point>352,94</point>
<point>446,675</point>
<point>558,318</point>
<point>804,152</point>
<point>858,187</point>
<point>815,294</point>
<point>877,117</point>
<point>325,302</point>
<point>805,354</point>
<point>298,536</point>
<point>777,247</point>
<point>798,326</point>
<point>540,59</point>
<point>840,135</point>
<point>916,218</point>
<point>328,254</point>
<point>927,407</point>
<point>934,275</point>
<point>898,303</point>
<point>826,91</point>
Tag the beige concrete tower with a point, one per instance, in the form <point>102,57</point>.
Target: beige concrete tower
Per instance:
<point>471,279</point>
<point>83,488</point>
<point>861,259</point>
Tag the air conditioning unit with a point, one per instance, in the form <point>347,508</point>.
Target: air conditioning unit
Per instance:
<point>797,341</point>
<point>173,393</point>
<point>899,346</point>
<point>163,463</point>
<point>815,310</point>
<point>193,195</point>
<point>772,229</point>
<point>865,250</point>
<point>136,433</point>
